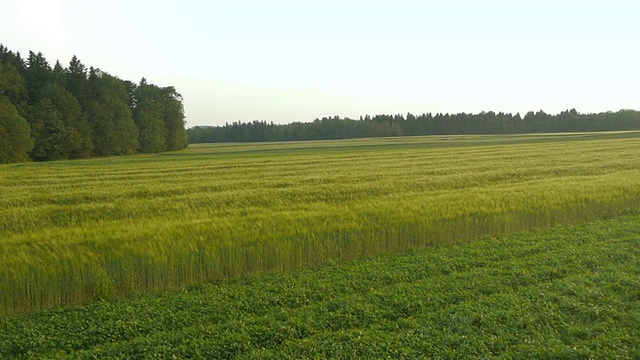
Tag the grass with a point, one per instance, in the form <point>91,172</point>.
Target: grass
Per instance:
<point>74,232</point>
<point>562,293</point>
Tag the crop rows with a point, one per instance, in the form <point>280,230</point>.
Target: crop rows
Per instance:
<point>74,232</point>
<point>563,293</point>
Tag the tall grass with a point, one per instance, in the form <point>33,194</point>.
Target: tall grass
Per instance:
<point>74,232</point>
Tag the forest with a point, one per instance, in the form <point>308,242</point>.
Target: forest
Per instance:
<point>56,112</point>
<point>410,125</point>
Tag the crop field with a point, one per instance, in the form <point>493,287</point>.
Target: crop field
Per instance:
<point>73,232</point>
<point>561,293</point>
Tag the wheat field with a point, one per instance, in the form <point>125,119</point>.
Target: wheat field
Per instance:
<point>78,231</point>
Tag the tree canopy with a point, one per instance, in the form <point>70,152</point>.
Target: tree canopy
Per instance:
<point>15,134</point>
<point>56,112</point>
<point>409,125</point>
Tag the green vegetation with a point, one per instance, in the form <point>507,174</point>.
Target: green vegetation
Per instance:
<point>425,124</point>
<point>79,231</point>
<point>565,293</point>
<point>53,113</point>
<point>13,126</point>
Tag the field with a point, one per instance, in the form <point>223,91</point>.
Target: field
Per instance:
<point>74,232</point>
<point>563,293</point>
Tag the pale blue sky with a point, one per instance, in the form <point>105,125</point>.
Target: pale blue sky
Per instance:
<point>286,61</point>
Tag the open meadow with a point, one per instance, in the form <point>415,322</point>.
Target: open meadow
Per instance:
<point>74,232</point>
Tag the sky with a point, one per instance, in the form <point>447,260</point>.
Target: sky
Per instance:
<point>286,61</point>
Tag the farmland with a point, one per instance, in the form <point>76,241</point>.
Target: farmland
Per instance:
<point>74,232</point>
<point>561,293</point>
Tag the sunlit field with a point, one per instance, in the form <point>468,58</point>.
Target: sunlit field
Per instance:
<point>78,231</point>
<point>562,293</point>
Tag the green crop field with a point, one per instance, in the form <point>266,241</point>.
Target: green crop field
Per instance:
<point>74,232</point>
<point>562,293</point>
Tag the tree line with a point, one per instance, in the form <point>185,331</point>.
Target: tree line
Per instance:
<point>53,113</point>
<point>425,124</point>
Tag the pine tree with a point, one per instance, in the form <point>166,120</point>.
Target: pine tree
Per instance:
<point>59,75</point>
<point>77,82</point>
<point>38,75</point>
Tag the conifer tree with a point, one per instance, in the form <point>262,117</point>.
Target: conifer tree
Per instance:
<point>38,75</point>
<point>79,141</point>
<point>50,136</point>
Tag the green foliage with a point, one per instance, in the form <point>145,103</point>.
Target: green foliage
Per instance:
<point>77,82</point>
<point>148,114</point>
<point>565,293</point>
<point>77,113</point>
<point>114,130</point>
<point>425,124</point>
<point>59,75</point>
<point>15,134</point>
<point>51,137</point>
<point>59,128</point>
<point>176,136</point>
<point>38,75</point>
<point>8,57</point>
<point>13,87</point>
<point>160,117</point>
<point>75,232</point>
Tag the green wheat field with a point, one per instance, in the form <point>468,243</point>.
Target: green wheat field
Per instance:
<point>480,246</point>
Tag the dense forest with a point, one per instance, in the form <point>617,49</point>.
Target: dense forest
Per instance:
<point>425,124</point>
<point>52,113</point>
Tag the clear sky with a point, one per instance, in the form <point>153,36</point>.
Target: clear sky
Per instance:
<point>286,61</point>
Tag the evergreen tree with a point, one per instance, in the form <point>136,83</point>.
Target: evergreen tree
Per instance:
<point>77,85</point>
<point>59,74</point>
<point>38,75</point>
<point>77,82</point>
<point>74,112</point>
<point>51,139</point>
<point>425,124</point>
<point>79,140</point>
<point>7,57</point>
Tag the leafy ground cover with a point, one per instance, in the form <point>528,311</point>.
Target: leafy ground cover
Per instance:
<point>563,293</point>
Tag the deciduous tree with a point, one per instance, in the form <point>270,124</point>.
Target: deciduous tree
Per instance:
<point>15,134</point>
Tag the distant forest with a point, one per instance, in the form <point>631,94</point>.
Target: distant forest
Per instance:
<point>52,113</point>
<point>425,124</point>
